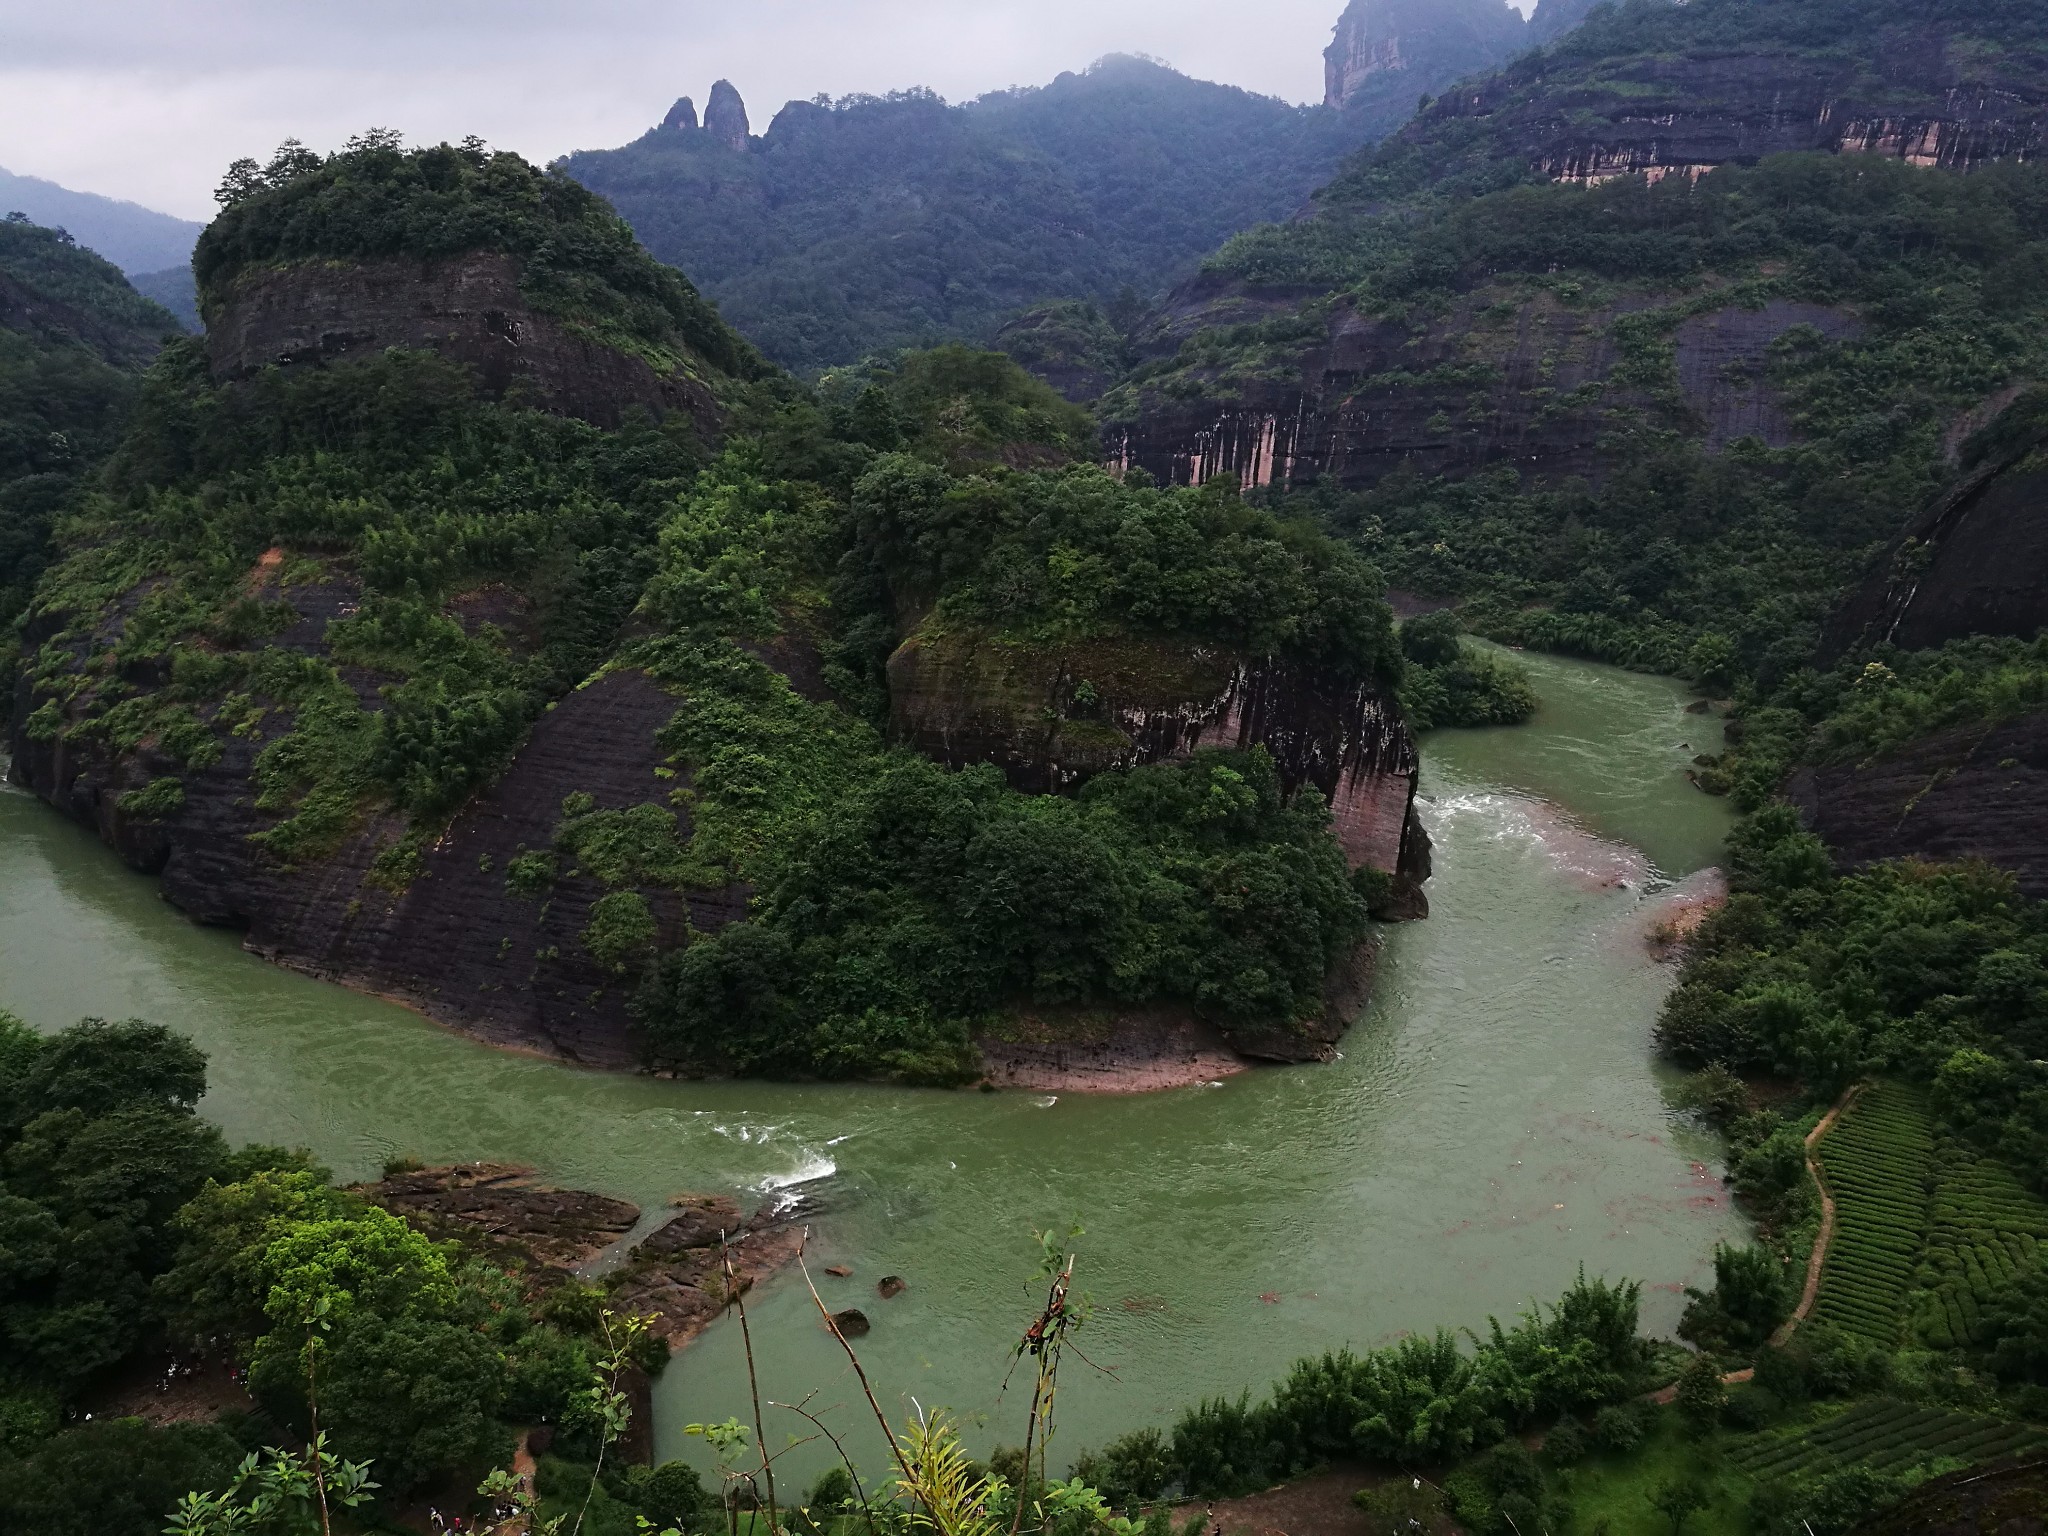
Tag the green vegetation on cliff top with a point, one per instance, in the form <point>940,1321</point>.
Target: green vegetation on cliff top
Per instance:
<point>481,560</point>
<point>577,259</point>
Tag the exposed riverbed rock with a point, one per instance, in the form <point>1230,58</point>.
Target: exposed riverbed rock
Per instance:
<point>555,1229</point>
<point>676,1277</point>
<point>685,1287</point>
<point>467,308</point>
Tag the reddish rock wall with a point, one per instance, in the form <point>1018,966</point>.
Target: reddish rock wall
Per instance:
<point>467,308</point>
<point>1051,717</point>
<point>1467,392</point>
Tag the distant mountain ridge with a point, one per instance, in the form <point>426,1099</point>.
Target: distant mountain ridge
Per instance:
<point>877,222</point>
<point>873,222</point>
<point>134,238</point>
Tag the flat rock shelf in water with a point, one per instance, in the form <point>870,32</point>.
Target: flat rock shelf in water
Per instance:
<point>1495,1120</point>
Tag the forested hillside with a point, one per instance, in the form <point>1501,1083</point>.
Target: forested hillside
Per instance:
<point>1539,354</point>
<point>73,337</point>
<point>554,685</point>
<point>869,223</point>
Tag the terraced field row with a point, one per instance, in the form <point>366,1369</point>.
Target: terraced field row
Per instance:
<point>1985,1227</point>
<point>1885,1434</point>
<point>1876,1162</point>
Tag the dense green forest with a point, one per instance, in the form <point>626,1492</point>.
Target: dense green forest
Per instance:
<point>132,1227</point>
<point>71,333</point>
<point>1682,552</point>
<point>871,223</point>
<point>887,922</point>
<point>1716,565</point>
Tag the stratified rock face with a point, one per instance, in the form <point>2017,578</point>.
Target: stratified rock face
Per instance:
<point>1397,46</point>
<point>553,1229</point>
<point>1686,114</point>
<point>1975,564</point>
<point>1052,717</point>
<point>1976,792</point>
<point>457,942</point>
<point>682,117</point>
<point>467,308</point>
<point>725,116</point>
<point>1467,392</point>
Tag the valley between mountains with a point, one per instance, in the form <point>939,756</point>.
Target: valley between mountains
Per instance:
<point>833,828</point>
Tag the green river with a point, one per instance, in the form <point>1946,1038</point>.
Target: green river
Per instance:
<point>1495,1121</point>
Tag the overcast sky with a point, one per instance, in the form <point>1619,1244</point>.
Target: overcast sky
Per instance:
<point>150,99</point>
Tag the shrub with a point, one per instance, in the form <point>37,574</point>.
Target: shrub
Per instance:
<point>1618,1428</point>
<point>162,798</point>
<point>1130,1470</point>
<point>1567,1443</point>
<point>1701,1396</point>
<point>1400,1506</point>
<point>621,931</point>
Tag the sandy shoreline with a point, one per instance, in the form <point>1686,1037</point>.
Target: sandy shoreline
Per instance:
<point>1126,1062</point>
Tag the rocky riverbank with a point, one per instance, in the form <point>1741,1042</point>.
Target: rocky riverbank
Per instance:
<point>675,1274</point>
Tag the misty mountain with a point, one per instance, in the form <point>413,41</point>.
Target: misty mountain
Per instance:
<point>134,238</point>
<point>874,222</point>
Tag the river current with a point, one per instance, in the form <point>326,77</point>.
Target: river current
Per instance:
<point>1496,1119</point>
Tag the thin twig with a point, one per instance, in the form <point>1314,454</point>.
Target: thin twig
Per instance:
<point>825,1312</point>
<point>851,1471</point>
<point>313,1406</point>
<point>753,1381</point>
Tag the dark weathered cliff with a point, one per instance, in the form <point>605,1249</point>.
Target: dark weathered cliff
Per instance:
<point>1930,99</point>
<point>1975,792</point>
<point>1976,563</point>
<point>467,308</point>
<point>1051,717</point>
<point>455,941</point>
<point>1390,51</point>
<point>1458,391</point>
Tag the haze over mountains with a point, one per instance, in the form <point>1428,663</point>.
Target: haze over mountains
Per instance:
<point>868,223</point>
<point>845,228</point>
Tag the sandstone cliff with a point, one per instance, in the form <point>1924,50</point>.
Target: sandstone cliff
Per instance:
<point>725,117</point>
<point>1974,792</point>
<point>1503,376</point>
<point>1466,388</point>
<point>468,308</point>
<point>1933,100</point>
<point>1389,50</point>
<point>457,942</point>
<point>1976,562</point>
<point>1051,717</point>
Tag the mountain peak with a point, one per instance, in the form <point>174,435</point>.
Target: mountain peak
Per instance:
<point>1383,46</point>
<point>725,116</point>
